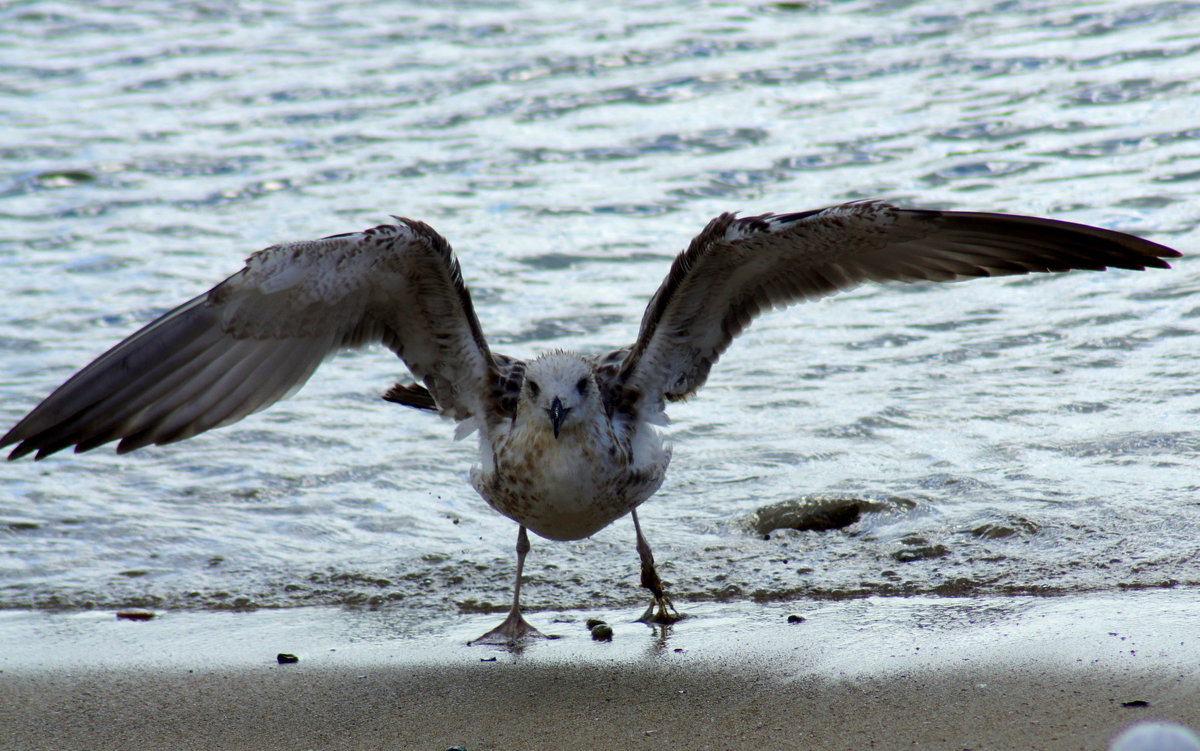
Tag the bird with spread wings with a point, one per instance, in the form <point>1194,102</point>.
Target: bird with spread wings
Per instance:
<point>567,442</point>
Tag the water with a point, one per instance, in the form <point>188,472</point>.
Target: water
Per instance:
<point>1012,436</point>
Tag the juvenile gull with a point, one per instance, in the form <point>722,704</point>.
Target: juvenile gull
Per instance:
<point>567,442</point>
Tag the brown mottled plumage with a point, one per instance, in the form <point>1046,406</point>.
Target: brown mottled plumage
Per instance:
<point>567,443</point>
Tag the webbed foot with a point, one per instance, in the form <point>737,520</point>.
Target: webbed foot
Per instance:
<point>512,630</point>
<point>657,612</point>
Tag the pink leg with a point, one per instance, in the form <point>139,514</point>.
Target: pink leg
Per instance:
<point>657,612</point>
<point>514,627</point>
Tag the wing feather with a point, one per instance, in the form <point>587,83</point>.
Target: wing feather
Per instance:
<point>258,336</point>
<point>736,268</point>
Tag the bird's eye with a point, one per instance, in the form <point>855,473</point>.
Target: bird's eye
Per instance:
<point>534,389</point>
<point>581,387</point>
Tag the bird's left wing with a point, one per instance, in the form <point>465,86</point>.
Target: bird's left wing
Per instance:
<point>736,268</point>
<point>258,336</point>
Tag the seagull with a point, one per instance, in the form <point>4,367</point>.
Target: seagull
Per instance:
<point>568,443</point>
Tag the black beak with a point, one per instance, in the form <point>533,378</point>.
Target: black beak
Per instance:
<point>557,413</point>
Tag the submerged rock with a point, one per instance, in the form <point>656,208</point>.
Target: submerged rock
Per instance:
<point>921,553</point>
<point>819,513</point>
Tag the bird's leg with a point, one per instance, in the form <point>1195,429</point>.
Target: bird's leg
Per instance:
<point>514,627</point>
<point>657,612</point>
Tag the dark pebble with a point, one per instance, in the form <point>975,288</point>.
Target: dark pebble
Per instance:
<point>283,658</point>
<point>795,619</point>
<point>594,622</point>
<point>135,614</point>
<point>1135,703</point>
<point>602,632</point>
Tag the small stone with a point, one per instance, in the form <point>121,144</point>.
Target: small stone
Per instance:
<point>594,622</point>
<point>135,614</point>
<point>793,619</point>
<point>284,658</point>
<point>602,632</point>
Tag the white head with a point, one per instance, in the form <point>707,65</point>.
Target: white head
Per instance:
<point>560,390</point>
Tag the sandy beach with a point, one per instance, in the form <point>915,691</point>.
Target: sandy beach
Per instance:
<point>996,673</point>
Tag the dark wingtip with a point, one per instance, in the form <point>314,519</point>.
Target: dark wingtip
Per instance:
<point>1164,252</point>
<point>25,445</point>
<point>1157,252</point>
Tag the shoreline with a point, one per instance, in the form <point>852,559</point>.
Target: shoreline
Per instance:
<point>977,673</point>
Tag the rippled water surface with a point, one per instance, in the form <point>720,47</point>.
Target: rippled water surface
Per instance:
<point>1017,435</point>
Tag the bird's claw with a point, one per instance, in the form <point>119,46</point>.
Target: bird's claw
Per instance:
<point>657,611</point>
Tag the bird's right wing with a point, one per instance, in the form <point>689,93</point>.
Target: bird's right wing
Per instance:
<point>736,268</point>
<point>258,336</point>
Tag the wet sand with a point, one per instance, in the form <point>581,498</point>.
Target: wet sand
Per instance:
<point>980,673</point>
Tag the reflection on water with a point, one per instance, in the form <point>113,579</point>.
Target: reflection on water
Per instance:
<point>1038,431</point>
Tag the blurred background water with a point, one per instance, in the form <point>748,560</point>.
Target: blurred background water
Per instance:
<point>1007,436</point>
